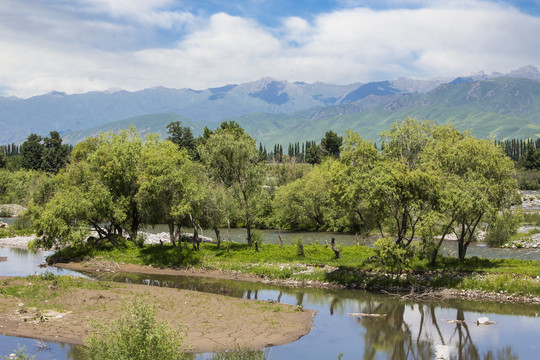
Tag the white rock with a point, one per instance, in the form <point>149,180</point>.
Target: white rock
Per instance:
<point>482,321</point>
<point>442,352</point>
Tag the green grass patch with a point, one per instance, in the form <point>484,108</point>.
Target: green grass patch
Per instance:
<point>35,289</point>
<point>357,268</point>
<point>503,283</point>
<point>11,232</point>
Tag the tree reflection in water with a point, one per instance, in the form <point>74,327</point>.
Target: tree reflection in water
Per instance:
<point>393,336</point>
<point>408,330</point>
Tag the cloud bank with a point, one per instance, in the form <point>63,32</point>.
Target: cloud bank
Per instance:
<point>88,45</point>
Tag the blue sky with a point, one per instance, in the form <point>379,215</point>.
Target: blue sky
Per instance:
<point>77,46</point>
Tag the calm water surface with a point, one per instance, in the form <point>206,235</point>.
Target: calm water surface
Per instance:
<point>405,329</point>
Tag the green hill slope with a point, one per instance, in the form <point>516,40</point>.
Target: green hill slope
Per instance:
<point>500,108</point>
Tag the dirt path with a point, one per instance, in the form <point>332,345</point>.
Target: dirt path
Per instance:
<point>210,322</point>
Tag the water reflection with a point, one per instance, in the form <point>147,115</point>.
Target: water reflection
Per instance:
<point>42,350</point>
<point>406,329</point>
<point>22,262</point>
<point>403,329</point>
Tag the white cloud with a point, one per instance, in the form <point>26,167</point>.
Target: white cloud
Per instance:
<point>64,50</point>
<point>150,12</point>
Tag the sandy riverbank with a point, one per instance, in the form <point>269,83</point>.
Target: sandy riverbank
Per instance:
<point>210,322</point>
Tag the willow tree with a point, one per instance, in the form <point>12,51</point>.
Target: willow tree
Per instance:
<point>477,182</point>
<point>305,203</point>
<point>352,183</point>
<point>232,158</point>
<point>167,184</point>
<point>98,189</point>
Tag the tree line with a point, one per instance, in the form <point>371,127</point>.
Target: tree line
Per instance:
<point>424,183</point>
<point>305,152</point>
<point>36,153</point>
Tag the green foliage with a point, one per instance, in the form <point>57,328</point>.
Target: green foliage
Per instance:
<point>331,144</point>
<point>391,255</point>
<point>305,203</point>
<point>166,183</point>
<point>3,160</point>
<point>32,152</point>
<point>232,158</point>
<point>182,136</point>
<point>257,238</point>
<point>135,336</point>
<point>46,154</point>
<point>531,218</point>
<point>503,283</point>
<point>528,179</point>
<point>18,187</point>
<point>503,227</point>
<point>35,290</point>
<point>531,159</point>
<point>313,155</point>
<point>241,354</point>
<point>20,354</point>
<point>299,243</point>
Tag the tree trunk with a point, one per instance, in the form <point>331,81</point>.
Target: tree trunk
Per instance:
<point>437,248</point>
<point>461,250</point>
<point>228,235</point>
<point>218,237</point>
<point>248,219</point>
<point>171,233</point>
<point>336,251</point>
<point>195,239</point>
<point>279,235</point>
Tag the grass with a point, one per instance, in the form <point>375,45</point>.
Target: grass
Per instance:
<point>357,268</point>
<point>11,232</point>
<point>35,290</point>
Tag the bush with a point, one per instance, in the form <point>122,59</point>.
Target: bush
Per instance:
<point>22,223</point>
<point>257,238</point>
<point>20,354</point>
<point>135,336</point>
<point>503,228</point>
<point>391,255</point>
<point>299,243</point>
<point>241,354</point>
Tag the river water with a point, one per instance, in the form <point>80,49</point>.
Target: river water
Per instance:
<point>403,330</point>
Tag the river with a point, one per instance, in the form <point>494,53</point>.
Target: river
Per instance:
<point>405,329</point>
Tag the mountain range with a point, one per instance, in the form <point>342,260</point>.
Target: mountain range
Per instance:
<point>490,105</point>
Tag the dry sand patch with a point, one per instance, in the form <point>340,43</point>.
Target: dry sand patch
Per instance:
<point>210,322</point>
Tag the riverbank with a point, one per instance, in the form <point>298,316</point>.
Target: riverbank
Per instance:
<point>59,308</point>
<point>409,288</point>
<point>508,280</point>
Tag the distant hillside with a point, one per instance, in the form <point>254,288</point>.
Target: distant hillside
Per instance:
<point>156,123</point>
<point>68,113</point>
<point>278,110</point>
<point>498,108</point>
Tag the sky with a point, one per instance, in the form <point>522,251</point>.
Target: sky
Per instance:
<point>77,46</point>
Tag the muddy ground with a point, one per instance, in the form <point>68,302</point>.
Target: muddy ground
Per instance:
<point>210,322</point>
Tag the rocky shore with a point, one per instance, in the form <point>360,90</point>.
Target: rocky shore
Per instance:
<point>22,241</point>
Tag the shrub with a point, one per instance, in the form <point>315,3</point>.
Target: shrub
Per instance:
<point>135,336</point>
<point>257,238</point>
<point>391,255</point>
<point>241,354</point>
<point>299,243</point>
<point>20,354</point>
<point>503,228</point>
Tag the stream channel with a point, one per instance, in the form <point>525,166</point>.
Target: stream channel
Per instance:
<point>407,329</point>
